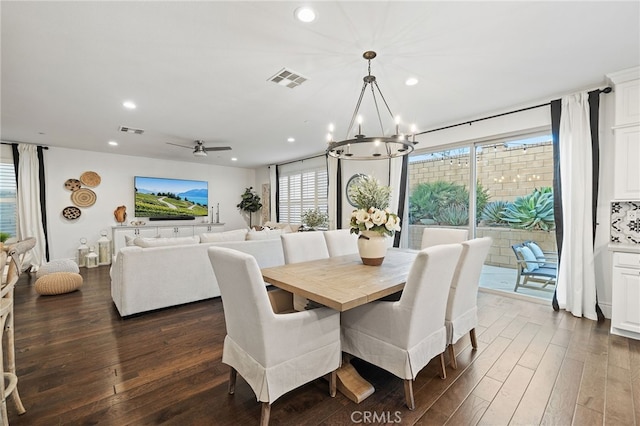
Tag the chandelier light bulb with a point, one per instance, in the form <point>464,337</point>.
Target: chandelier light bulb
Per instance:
<point>331,127</point>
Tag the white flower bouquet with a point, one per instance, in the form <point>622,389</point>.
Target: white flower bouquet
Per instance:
<point>372,214</point>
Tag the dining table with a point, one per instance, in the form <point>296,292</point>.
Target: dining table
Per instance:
<point>342,283</point>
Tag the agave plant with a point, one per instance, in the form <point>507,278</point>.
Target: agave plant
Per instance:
<point>453,214</point>
<point>492,212</point>
<point>533,211</point>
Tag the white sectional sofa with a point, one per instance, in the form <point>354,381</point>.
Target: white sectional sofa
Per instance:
<point>153,277</point>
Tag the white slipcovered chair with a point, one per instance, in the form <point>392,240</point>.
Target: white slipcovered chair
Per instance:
<point>303,247</point>
<point>434,236</point>
<point>273,352</point>
<point>462,311</point>
<point>402,337</point>
<point>341,242</point>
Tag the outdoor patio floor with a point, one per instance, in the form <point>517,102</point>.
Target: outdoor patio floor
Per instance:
<point>503,280</point>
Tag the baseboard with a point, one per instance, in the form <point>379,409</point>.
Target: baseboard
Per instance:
<point>606,309</point>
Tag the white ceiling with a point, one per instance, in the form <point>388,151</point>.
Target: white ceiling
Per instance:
<point>199,70</point>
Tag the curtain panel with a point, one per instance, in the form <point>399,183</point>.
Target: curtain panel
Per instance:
<point>31,200</point>
<point>574,120</point>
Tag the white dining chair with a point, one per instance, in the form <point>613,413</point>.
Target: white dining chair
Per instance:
<point>461,316</point>
<point>341,242</point>
<point>274,353</point>
<point>303,247</point>
<point>435,236</point>
<point>403,336</point>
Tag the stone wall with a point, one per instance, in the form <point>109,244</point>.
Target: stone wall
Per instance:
<point>505,172</point>
<point>501,254</point>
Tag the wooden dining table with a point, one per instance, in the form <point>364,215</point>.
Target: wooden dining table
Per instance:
<point>342,283</point>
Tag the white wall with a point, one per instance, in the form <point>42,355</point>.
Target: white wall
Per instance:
<point>226,184</point>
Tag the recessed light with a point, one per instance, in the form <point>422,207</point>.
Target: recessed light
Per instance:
<point>234,159</point>
<point>411,81</point>
<point>305,14</point>
<point>113,143</point>
<point>129,105</point>
<point>291,140</point>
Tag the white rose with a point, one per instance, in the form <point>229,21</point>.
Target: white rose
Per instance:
<point>362,216</point>
<point>393,223</point>
<point>379,217</point>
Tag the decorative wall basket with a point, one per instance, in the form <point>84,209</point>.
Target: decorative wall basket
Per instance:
<point>83,197</point>
<point>71,213</point>
<point>372,248</point>
<point>91,179</point>
<point>72,184</point>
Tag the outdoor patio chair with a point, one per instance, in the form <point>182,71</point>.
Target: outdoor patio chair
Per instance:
<point>534,269</point>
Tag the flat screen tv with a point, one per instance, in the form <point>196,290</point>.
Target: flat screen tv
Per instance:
<point>167,198</point>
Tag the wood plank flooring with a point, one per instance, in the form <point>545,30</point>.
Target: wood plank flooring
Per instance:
<point>80,363</point>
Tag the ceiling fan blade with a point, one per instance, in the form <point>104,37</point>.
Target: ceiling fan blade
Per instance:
<point>217,148</point>
<point>183,146</point>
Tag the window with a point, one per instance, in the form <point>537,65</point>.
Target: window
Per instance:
<point>302,187</point>
<point>7,192</point>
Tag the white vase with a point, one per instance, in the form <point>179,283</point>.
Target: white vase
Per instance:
<point>372,247</point>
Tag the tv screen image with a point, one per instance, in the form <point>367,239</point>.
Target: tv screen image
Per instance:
<point>164,197</point>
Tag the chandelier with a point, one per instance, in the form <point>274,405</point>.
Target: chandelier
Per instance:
<point>362,147</point>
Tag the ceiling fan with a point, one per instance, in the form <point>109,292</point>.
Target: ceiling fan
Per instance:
<point>199,150</point>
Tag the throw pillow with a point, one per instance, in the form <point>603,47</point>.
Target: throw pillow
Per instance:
<point>216,237</point>
<point>128,240</point>
<point>530,258</point>
<point>161,242</point>
<point>267,234</point>
<point>537,251</point>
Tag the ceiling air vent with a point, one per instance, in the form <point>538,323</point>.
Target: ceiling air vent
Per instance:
<point>288,78</point>
<point>126,129</point>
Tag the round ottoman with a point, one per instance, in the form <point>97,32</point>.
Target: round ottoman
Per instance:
<point>62,265</point>
<point>58,283</point>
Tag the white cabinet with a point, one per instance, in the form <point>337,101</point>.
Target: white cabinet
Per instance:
<point>626,134</point>
<point>626,150</point>
<point>625,307</point>
<point>175,231</point>
<point>167,231</point>
<point>207,228</point>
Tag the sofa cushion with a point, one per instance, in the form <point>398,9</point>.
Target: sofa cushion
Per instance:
<point>129,240</point>
<point>267,234</point>
<point>160,242</point>
<point>216,237</point>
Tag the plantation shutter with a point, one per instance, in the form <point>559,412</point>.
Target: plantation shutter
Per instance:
<point>302,186</point>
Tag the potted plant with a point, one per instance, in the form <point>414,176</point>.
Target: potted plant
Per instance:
<point>313,219</point>
<point>250,202</point>
<point>372,219</point>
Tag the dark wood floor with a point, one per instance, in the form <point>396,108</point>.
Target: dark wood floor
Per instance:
<point>79,363</point>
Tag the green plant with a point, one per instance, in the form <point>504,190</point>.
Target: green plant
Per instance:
<point>453,214</point>
<point>372,213</point>
<point>533,211</point>
<point>492,212</point>
<point>4,236</point>
<point>314,218</point>
<point>250,202</point>
<point>369,193</point>
<point>428,199</point>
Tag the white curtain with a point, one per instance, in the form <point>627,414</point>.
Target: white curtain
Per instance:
<point>28,202</point>
<point>332,194</point>
<point>576,287</point>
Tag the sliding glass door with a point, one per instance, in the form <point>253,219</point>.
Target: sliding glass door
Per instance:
<point>510,181</point>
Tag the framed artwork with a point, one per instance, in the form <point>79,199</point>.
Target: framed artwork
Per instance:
<point>266,203</point>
